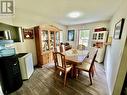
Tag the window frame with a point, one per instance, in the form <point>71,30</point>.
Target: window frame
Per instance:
<point>79,35</point>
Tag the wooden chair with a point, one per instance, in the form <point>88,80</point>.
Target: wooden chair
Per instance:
<point>92,51</point>
<point>57,49</point>
<point>88,64</point>
<point>60,64</point>
<point>62,48</point>
<point>81,47</point>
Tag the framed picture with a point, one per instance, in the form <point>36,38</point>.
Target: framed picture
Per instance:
<point>118,29</point>
<point>71,34</point>
<point>28,33</point>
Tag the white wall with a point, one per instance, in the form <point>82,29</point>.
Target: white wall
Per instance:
<point>121,73</point>
<point>89,26</point>
<point>115,51</point>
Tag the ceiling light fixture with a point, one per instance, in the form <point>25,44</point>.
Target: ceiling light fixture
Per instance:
<point>74,14</point>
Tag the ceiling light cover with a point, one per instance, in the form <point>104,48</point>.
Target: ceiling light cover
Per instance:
<point>74,14</point>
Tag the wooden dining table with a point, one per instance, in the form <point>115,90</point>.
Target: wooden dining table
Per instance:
<point>75,57</point>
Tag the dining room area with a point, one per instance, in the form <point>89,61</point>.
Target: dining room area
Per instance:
<point>72,71</point>
<point>76,47</point>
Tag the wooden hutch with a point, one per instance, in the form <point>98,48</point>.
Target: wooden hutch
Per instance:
<point>47,37</point>
<point>98,40</point>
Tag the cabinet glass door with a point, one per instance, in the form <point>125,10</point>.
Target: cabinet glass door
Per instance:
<point>57,39</point>
<point>45,42</point>
<point>95,36</point>
<point>102,34</point>
<point>52,40</point>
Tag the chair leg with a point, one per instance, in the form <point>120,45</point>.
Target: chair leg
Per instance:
<point>90,78</point>
<point>76,73</point>
<point>79,72</point>
<point>56,70</point>
<point>65,76</point>
<point>92,71</point>
<point>71,72</point>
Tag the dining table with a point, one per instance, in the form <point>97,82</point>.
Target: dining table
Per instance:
<point>75,57</point>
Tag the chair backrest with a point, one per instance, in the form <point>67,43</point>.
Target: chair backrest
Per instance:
<point>81,47</point>
<point>94,57</point>
<point>57,48</point>
<point>62,48</point>
<point>59,60</point>
<point>92,52</point>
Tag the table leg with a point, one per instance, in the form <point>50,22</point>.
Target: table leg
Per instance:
<point>74,71</point>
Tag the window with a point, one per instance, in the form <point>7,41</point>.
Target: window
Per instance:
<point>84,37</point>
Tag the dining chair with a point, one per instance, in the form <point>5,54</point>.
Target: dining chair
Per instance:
<point>62,48</point>
<point>92,51</point>
<point>60,64</point>
<point>57,49</point>
<point>81,47</point>
<point>88,64</point>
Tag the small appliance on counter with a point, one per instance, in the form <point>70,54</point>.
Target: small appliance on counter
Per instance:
<point>9,70</point>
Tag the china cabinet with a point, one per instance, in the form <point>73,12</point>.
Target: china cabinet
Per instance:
<point>47,37</point>
<point>98,40</point>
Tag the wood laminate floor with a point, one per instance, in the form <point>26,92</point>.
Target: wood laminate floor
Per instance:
<point>43,82</point>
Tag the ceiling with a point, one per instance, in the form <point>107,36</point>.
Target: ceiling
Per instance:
<point>43,11</point>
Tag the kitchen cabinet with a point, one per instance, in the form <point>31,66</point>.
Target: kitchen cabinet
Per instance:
<point>100,36</point>
<point>9,32</point>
